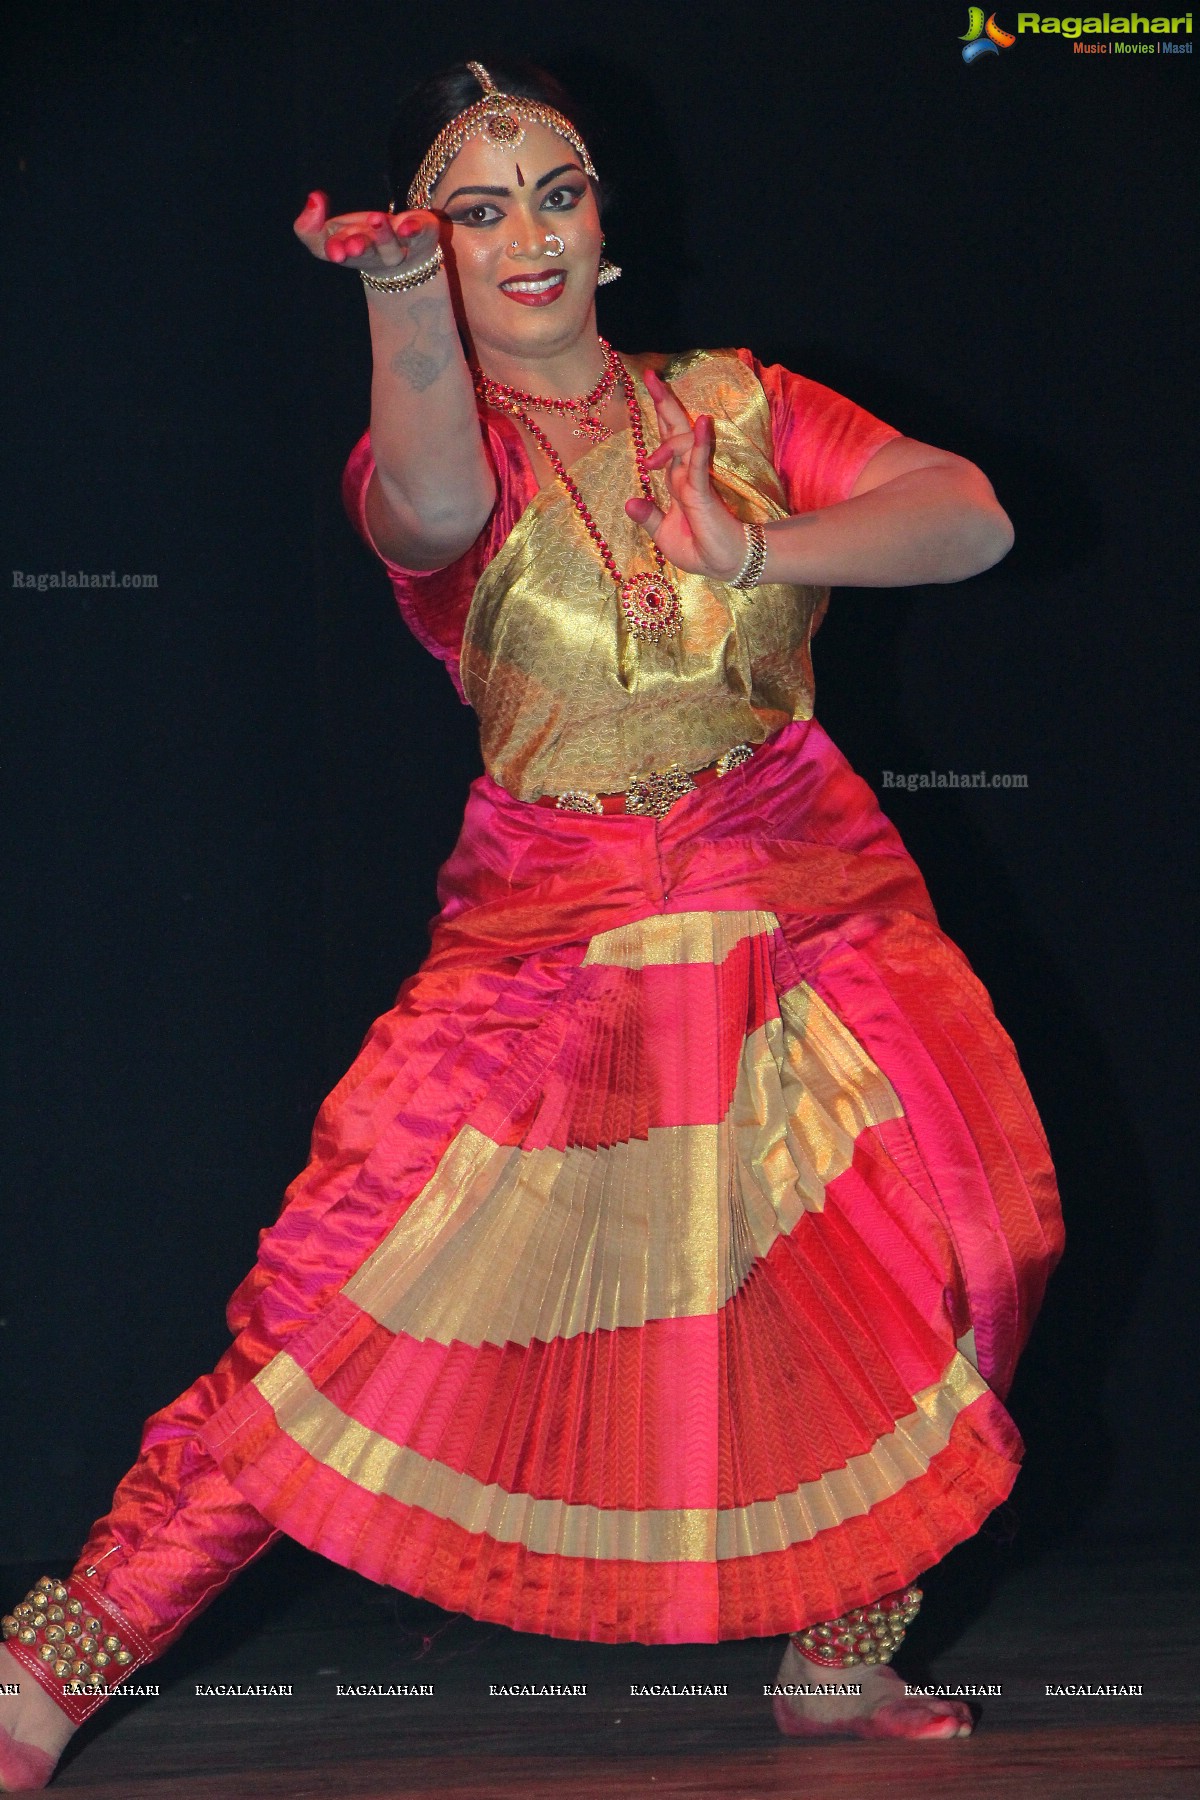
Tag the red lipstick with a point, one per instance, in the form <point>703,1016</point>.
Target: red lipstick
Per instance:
<point>534,290</point>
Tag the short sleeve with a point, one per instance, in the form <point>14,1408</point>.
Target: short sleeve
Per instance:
<point>822,441</point>
<point>434,602</point>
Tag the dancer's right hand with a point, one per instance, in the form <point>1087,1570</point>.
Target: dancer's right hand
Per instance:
<point>374,241</point>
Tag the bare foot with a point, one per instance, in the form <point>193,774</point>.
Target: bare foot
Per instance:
<point>33,1730</point>
<point>881,1710</point>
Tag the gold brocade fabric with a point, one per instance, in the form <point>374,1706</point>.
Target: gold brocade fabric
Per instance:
<point>566,697</point>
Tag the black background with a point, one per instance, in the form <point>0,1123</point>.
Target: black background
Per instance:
<point>229,795</point>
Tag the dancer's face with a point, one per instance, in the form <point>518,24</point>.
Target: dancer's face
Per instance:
<point>507,206</point>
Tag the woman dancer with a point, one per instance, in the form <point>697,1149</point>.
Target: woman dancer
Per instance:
<point>661,1263</point>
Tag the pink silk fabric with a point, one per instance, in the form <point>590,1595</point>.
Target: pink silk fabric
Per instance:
<point>795,832</point>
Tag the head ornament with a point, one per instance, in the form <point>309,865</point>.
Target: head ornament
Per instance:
<point>501,118</point>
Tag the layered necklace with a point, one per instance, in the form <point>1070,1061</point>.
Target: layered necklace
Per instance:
<point>649,603</point>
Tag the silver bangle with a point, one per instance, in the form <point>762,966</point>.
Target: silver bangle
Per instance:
<point>750,573</point>
<point>403,279</point>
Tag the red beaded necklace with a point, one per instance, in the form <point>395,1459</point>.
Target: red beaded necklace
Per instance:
<point>584,409</point>
<point>648,601</point>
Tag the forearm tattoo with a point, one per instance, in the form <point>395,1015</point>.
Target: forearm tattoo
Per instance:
<point>430,349</point>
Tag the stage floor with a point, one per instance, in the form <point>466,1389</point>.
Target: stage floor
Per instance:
<point>1095,1619</point>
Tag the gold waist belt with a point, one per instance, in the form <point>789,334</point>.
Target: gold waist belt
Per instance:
<point>650,796</point>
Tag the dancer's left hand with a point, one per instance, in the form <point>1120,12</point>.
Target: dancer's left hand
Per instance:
<point>697,532</point>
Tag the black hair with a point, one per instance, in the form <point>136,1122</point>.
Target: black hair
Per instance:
<point>433,104</point>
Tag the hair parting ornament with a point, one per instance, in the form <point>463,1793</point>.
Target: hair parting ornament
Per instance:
<point>501,118</point>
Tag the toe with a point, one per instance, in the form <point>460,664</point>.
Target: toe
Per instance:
<point>948,1722</point>
<point>927,1722</point>
<point>956,1720</point>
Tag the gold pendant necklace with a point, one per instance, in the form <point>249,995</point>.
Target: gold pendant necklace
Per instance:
<point>649,603</point>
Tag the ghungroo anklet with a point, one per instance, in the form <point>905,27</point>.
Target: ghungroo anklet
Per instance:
<point>866,1634</point>
<point>75,1642</point>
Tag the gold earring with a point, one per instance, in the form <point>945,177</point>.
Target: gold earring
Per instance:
<point>607,271</point>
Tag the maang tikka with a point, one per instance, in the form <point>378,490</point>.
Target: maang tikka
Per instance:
<point>500,118</point>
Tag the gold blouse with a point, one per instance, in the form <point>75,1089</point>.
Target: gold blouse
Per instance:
<point>566,697</point>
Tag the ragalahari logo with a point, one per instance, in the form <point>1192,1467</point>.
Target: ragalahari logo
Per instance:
<point>983,38</point>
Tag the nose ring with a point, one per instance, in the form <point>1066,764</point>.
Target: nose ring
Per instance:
<point>552,237</point>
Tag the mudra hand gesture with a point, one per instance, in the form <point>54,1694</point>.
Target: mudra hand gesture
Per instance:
<point>374,242</point>
<point>697,533</point>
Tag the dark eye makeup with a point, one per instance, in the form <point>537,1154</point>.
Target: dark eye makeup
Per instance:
<point>563,198</point>
<point>477,214</point>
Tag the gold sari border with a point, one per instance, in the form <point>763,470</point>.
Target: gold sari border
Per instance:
<point>375,1464</point>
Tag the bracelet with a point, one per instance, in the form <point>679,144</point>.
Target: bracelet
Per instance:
<point>405,278</point>
<point>750,573</point>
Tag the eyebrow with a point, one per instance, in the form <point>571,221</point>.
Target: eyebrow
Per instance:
<point>503,193</point>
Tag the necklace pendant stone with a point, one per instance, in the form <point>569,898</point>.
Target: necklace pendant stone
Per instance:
<point>591,428</point>
<point>651,607</point>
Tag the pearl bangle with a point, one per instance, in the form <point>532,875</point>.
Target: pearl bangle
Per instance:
<point>750,573</point>
<point>403,279</point>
